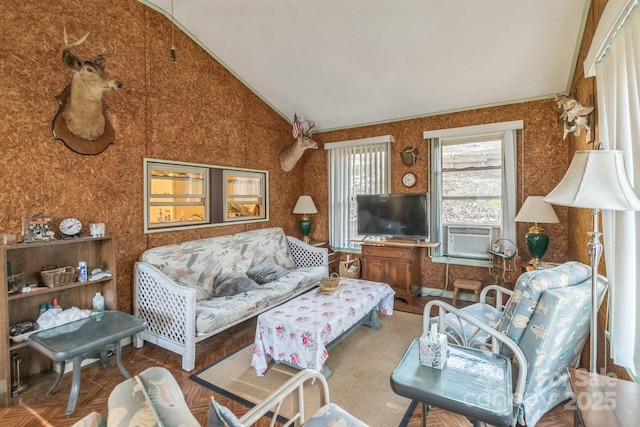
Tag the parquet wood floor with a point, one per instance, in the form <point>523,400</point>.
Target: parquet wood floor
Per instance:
<point>33,408</point>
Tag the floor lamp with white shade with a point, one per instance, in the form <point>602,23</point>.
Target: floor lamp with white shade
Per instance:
<point>597,180</point>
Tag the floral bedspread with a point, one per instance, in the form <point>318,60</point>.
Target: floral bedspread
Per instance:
<point>298,331</point>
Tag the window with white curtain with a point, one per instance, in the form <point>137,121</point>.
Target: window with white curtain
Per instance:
<point>359,166</point>
<point>473,182</point>
<point>614,59</point>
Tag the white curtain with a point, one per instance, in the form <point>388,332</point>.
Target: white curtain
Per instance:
<point>509,184</point>
<point>618,84</point>
<point>436,232</point>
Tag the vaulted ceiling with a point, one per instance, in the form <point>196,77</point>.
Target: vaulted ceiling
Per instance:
<point>350,63</point>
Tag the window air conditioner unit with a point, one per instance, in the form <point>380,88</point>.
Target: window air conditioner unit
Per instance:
<point>469,242</point>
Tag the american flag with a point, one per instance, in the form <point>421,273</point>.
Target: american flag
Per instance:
<point>297,127</point>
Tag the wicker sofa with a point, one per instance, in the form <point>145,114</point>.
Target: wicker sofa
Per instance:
<point>193,290</point>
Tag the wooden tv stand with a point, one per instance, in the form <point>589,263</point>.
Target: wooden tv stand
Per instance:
<point>396,262</point>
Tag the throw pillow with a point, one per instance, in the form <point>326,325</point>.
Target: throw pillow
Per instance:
<point>228,284</point>
<point>220,416</point>
<point>267,271</point>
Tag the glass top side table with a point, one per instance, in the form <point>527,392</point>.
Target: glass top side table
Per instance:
<point>81,339</point>
<point>473,383</point>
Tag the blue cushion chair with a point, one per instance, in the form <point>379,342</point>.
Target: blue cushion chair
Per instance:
<point>153,398</point>
<point>547,318</point>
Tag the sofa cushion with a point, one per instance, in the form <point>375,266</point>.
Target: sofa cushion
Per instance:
<point>221,416</point>
<point>228,284</point>
<point>196,263</point>
<point>267,271</point>
<point>216,313</point>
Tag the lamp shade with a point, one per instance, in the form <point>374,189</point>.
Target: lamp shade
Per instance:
<point>305,206</point>
<point>596,179</point>
<point>536,210</point>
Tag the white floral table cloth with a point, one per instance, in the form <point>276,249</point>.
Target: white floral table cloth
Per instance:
<point>298,331</point>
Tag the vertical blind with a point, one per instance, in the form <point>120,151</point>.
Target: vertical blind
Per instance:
<point>355,167</point>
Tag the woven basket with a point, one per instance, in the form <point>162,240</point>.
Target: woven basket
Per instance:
<point>330,283</point>
<point>59,276</point>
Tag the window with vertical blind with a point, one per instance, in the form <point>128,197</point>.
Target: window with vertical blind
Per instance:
<point>359,166</point>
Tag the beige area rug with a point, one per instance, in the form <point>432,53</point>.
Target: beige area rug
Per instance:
<point>361,367</point>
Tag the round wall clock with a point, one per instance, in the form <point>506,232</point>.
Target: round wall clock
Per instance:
<point>409,179</point>
<point>70,227</point>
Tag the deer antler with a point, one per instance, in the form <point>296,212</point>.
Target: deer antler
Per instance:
<point>76,43</point>
<point>101,59</point>
<point>311,126</point>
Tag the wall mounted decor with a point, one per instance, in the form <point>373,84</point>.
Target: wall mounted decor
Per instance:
<point>574,115</point>
<point>290,155</point>
<point>409,155</point>
<point>81,122</point>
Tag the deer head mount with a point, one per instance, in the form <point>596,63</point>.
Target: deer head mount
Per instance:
<point>290,155</point>
<point>83,126</point>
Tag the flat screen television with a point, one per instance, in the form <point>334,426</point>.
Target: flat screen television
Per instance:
<point>394,215</point>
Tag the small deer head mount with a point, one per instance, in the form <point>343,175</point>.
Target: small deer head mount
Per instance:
<point>574,115</point>
<point>290,155</point>
<point>81,102</point>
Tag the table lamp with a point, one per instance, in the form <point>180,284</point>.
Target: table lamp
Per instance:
<point>305,207</point>
<point>597,180</point>
<point>536,210</point>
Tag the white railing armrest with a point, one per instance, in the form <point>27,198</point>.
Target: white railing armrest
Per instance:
<point>274,401</point>
<point>305,255</point>
<point>500,292</point>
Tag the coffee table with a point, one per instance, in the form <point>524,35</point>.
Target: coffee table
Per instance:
<point>473,383</point>
<point>84,338</point>
<point>301,331</point>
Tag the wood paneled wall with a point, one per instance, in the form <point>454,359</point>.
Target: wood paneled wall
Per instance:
<point>190,110</point>
<point>194,110</point>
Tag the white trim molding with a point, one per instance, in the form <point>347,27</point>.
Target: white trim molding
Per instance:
<point>362,141</point>
<point>474,130</point>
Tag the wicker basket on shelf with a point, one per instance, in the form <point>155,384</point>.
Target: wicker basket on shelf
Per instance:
<point>59,276</point>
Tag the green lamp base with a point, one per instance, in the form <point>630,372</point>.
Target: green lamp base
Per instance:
<point>537,244</point>
<point>305,228</point>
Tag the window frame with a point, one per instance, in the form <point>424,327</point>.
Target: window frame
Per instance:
<point>214,195</point>
<point>507,227</point>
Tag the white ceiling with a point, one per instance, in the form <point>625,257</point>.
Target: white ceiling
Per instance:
<point>350,63</point>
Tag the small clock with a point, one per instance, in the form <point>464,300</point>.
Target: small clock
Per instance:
<point>409,179</point>
<point>71,227</point>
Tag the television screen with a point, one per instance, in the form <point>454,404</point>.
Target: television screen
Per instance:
<point>397,215</point>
